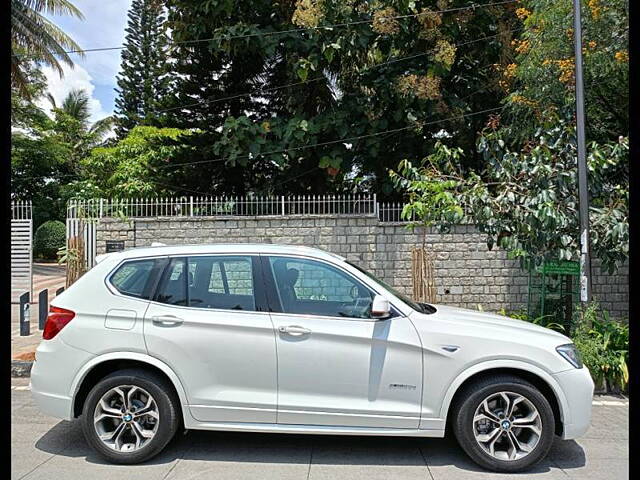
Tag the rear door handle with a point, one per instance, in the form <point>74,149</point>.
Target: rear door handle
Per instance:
<point>166,320</point>
<point>294,330</point>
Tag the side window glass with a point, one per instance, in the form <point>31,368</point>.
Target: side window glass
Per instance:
<point>221,282</point>
<point>315,288</point>
<point>132,277</point>
<point>173,288</point>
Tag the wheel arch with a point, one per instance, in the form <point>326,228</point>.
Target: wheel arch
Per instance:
<point>541,379</point>
<point>103,365</point>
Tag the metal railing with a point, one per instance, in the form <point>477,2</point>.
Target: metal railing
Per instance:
<point>221,206</point>
<point>391,212</point>
<point>21,210</point>
<point>214,206</point>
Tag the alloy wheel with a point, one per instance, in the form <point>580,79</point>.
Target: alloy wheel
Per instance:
<point>507,426</point>
<point>126,418</point>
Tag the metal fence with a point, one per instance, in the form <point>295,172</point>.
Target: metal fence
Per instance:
<point>391,212</point>
<point>224,206</point>
<point>82,215</point>
<point>21,249</point>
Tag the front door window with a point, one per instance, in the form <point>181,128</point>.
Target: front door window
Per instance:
<point>310,287</point>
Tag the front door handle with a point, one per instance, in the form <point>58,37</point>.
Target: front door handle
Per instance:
<point>166,320</point>
<point>295,330</point>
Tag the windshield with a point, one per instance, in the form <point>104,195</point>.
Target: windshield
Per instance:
<point>420,307</point>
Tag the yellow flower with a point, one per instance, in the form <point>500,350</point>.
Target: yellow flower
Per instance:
<point>445,53</point>
<point>522,13</point>
<point>567,70</point>
<point>622,56</point>
<point>592,45</point>
<point>383,21</point>
<point>510,71</point>
<point>429,19</point>
<point>523,46</point>
<point>308,13</point>
<point>425,87</point>
<point>596,9</point>
<point>522,100</point>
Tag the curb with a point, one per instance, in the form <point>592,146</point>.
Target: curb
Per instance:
<point>21,368</point>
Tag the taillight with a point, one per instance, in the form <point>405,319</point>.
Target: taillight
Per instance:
<point>57,319</point>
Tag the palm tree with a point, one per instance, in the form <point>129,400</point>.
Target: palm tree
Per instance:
<point>35,38</point>
<point>88,135</point>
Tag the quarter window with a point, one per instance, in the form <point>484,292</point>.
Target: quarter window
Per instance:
<point>315,288</point>
<point>131,278</point>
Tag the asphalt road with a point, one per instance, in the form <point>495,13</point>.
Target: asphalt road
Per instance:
<point>46,448</point>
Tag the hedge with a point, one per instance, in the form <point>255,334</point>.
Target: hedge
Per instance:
<point>50,236</point>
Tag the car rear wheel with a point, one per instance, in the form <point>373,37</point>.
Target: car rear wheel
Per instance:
<point>130,416</point>
<point>504,423</point>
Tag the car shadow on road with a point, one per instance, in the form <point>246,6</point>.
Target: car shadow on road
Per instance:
<point>66,439</point>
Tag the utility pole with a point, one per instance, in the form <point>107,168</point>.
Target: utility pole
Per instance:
<point>583,189</point>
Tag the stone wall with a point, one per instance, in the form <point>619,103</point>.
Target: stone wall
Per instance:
<point>467,273</point>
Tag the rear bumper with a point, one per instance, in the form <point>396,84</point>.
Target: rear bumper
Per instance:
<point>53,371</point>
<point>577,386</point>
<point>52,405</point>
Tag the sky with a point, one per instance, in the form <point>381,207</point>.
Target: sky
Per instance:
<point>103,26</point>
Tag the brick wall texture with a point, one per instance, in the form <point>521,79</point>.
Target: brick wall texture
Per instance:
<point>467,274</point>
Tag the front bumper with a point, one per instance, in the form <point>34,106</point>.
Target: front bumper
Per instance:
<point>577,386</point>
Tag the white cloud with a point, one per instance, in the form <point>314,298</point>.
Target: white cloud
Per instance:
<point>103,26</point>
<point>74,78</point>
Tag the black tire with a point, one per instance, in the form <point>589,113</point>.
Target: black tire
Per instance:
<point>168,410</point>
<point>474,394</point>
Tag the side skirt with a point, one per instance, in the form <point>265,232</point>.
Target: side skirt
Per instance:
<point>312,429</point>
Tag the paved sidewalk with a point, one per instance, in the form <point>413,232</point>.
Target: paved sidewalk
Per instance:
<point>45,448</point>
<point>45,275</point>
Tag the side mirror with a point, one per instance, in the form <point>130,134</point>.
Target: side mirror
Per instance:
<point>380,307</point>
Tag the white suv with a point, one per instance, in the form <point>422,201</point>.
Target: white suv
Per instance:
<point>267,338</point>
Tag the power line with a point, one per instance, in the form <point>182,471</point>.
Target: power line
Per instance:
<point>331,142</point>
<point>315,79</point>
<point>422,124</point>
<point>293,30</point>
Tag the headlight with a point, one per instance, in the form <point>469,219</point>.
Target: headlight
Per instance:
<point>570,354</point>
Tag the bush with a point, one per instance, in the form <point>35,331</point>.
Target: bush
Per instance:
<point>50,236</point>
<point>604,346</point>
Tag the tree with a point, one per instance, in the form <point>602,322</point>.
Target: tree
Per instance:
<point>412,76</point>
<point>540,81</point>
<point>143,78</point>
<point>527,201</point>
<point>46,151</point>
<point>35,38</point>
<point>71,123</point>
<point>25,114</point>
<point>134,166</point>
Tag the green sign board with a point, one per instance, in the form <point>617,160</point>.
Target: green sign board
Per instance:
<point>563,267</point>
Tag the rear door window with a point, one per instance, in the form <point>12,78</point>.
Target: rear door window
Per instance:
<point>217,282</point>
<point>173,286</point>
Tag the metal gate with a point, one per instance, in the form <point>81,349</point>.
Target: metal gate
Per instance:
<point>21,250</point>
<point>83,225</point>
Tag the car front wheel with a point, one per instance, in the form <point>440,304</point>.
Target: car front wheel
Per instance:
<point>130,416</point>
<point>504,423</point>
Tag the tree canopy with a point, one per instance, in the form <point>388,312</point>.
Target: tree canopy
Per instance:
<point>35,38</point>
<point>263,82</point>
